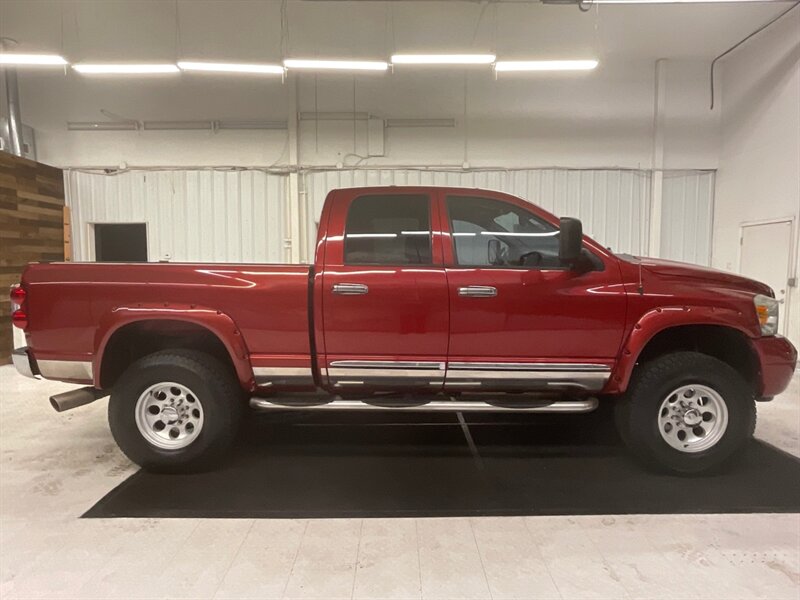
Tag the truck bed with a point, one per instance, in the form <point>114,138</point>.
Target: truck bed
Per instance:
<point>75,305</point>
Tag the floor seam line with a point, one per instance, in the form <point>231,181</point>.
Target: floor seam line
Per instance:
<point>419,558</point>
<point>355,566</point>
<point>480,558</point>
<point>294,560</point>
<point>233,558</point>
<point>604,561</point>
<point>544,559</point>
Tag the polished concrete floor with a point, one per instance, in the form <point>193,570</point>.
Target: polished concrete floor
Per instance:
<point>53,467</point>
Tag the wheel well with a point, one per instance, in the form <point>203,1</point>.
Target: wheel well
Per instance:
<point>723,343</point>
<point>135,340</point>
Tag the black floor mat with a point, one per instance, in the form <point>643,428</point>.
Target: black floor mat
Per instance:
<point>307,465</point>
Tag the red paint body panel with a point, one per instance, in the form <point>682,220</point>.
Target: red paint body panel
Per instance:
<point>538,314</point>
<point>74,307</point>
<point>267,316</point>
<point>404,316</point>
<point>778,359</point>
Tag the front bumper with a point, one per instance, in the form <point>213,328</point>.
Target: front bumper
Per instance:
<point>778,359</point>
<point>24,362</point>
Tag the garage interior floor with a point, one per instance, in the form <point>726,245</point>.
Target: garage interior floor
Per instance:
<point>54,467</point>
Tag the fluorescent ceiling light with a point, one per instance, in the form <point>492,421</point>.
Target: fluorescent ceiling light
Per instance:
<point>177,125</point>
<point>10,58</point>
<point>125,68</point>
<point>420,122</point>
<point>343,65</point>
<point>443,59</point>
<point>252,124</point>
<point>545,65</point>
<point>231,67</point>
<point>676,1</point>
<point>103,126</point>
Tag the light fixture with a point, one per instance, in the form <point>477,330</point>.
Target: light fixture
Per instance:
<point>252,124</point>
<point>340,65</point>
<point>545,65</point>
<point>420,122</point>
<point>673,1</point>
<point>443,59</point>
<point>125,69</point>
<point>102,126</point>
<point>38,60</point>
<point>231,67</point>
<point>176,125</point>
<point>334,116</point>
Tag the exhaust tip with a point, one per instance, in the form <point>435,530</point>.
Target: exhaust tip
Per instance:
<point>76,398</point>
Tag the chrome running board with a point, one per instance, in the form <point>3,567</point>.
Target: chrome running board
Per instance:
<point>562,406</point>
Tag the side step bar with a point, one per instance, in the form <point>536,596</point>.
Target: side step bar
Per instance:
<point>565,406</point>
<point>76,398</point>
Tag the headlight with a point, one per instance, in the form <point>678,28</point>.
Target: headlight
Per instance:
<point>767,312</point>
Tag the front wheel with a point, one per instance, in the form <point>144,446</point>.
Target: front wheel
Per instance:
<point>686,412</point>
<point>175,410</point>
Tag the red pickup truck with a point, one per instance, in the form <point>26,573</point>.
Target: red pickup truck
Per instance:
<point>419,298</point>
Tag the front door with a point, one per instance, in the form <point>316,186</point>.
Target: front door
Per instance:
<point>384,294</point>
<point>519,319</point>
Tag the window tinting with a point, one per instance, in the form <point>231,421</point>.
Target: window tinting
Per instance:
<point>490,232</point>
<point>388,230</point>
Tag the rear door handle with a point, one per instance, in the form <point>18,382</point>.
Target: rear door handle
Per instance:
<point>349,289</point>
<point>477,291</point>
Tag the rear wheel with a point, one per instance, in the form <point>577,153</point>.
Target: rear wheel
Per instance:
<point>175,410</point>
<point>686,413</point>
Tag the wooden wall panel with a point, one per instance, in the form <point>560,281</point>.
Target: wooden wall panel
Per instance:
<point>31,226</point>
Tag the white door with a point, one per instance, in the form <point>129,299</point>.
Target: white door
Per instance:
<point>765,257</point>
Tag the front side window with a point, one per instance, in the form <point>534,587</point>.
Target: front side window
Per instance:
<point>388,230</point>
<point>489,232</point>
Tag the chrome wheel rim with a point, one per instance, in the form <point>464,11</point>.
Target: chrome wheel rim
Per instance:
<point>169,415</point>
<point>693,418</point>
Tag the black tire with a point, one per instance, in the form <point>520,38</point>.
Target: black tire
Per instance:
<point>637,412</point>
<point>215,387</point>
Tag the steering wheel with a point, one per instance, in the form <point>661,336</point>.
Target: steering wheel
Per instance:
<point>533,258</point>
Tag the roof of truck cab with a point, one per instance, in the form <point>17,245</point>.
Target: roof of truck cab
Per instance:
<point>447,188</point>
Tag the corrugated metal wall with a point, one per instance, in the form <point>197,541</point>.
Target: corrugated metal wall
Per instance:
<point>191,215</point>
<point>614,205</point>
<point>686,216</point>
<point>238,216</point>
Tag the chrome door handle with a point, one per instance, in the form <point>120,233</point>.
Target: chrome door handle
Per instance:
<point>349,289</point>
<point>477,291</point>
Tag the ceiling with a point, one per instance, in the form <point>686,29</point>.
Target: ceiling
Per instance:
<point>250,30</point>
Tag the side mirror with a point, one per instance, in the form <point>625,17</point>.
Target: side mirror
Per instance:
<point>570,242</point>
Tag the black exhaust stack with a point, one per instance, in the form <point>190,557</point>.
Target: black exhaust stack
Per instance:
<point>76,398</point>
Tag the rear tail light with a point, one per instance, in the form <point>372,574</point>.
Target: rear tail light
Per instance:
<point>19,313</point>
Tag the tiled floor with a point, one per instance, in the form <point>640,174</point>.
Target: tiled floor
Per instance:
<point>55,466</point>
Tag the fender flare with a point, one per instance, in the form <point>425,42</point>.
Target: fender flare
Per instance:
<point>662,318</point>
<point>215,321</point>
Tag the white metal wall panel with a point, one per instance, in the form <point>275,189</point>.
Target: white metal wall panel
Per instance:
<point>687,209</point>
<point>614,205</point>
<point>191,215</point>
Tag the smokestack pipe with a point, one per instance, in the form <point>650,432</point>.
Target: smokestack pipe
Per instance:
<point>12,99</point>
<point>14,117</point>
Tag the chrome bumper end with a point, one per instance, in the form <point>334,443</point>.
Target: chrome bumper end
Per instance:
<point>23,363</point>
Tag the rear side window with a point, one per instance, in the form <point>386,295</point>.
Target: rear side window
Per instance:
<point>388,230</point>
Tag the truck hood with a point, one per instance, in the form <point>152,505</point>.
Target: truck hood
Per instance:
<point>670,269</point>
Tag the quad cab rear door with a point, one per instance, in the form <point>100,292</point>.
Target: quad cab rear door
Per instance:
<point>384,295</point>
